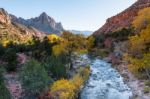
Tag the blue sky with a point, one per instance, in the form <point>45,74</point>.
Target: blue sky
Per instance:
<point>74,14</point>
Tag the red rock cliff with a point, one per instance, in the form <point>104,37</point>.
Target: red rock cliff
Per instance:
<point>123,19</point>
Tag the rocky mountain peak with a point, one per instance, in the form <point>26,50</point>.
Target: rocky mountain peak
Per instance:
<point>45,19</point>
<point>43,14</point>
<point>43,23</point>
<point>4,17</point>
<point>123,19</point>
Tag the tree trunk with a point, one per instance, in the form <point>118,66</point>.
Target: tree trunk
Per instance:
<point>147,73</point>
<point>70,60</point>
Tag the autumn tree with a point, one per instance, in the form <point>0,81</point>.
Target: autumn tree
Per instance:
<point>90,42</point>
<point>139,66</point>
<point>142,20</point>
<point>74,44</point>
<point>69,89</point>
<point>139,42</point>
<point>63,89</point>
<point>139,45</point>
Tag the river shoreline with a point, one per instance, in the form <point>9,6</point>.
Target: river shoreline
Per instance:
<point>136,85</point>
<point>105,82</point>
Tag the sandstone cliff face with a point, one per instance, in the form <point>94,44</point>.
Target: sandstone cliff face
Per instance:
<point>4,17</point>
<point>123,19</point>
<point>43,23</point>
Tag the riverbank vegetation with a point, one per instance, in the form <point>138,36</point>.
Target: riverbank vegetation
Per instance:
<point>46,66</point>
<point>130,45</point>
<point>139,48</point>
<point>5,94</point>
<point>139,45</point>
<point>69,89</point>
<point>104,44</point>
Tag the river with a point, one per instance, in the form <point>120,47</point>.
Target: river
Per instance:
<point>105,83</point>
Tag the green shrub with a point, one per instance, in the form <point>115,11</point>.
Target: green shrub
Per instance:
<point>120,35</point>
<point>10,57</point>
<point>146,89</point>
<point>99,40</point>
<point>100,52</point>
<point>147,83</point>
<point>4,93</point>
<point>84,73</point>
<point>56,65</point>
<point>2,51</point>
<point>34,78</point>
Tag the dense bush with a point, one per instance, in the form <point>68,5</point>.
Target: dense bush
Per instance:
<point>41,49</point>
<point>57,66</point>
<point>84,73</point>
<point>10,57</point>
<point>69,89</point>
<point>99,40</point>
<point>146,90</point>
<point>34,78</point>
<point>90,43</point>
<point>100,52</point>
<point>63,89</point>
<point>147,83</point>
<point>37,48</point>
<point>4,93</point>
<point>119,35</point>
<point>2,51</point>
<point>140,66</point>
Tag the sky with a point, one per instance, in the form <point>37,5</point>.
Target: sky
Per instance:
<point>73,14</point>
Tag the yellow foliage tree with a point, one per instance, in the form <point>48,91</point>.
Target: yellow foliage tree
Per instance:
<point>69,89</point>
<point>139,59</point>
<point>90,42</point>
<point>136,45</point>
<point>63,89</point>
<point>142,20</point>
<point>60,48</point>
<point>140,64</point>
<point>146,64</point>
<point>139,45</point>
<point>139,42</point>
<point>54,38</point>
<point>77,81</point>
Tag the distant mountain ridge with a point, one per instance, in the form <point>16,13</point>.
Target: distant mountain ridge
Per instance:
<point>43,23</point>
<point>86,32</point>
<point>123,19</point>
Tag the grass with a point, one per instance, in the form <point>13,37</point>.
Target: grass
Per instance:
<point>146,90</point>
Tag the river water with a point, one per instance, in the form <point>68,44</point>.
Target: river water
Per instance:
<point>105,83</point>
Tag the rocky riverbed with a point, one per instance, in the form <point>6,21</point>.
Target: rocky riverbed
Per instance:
<point>105,83</point>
